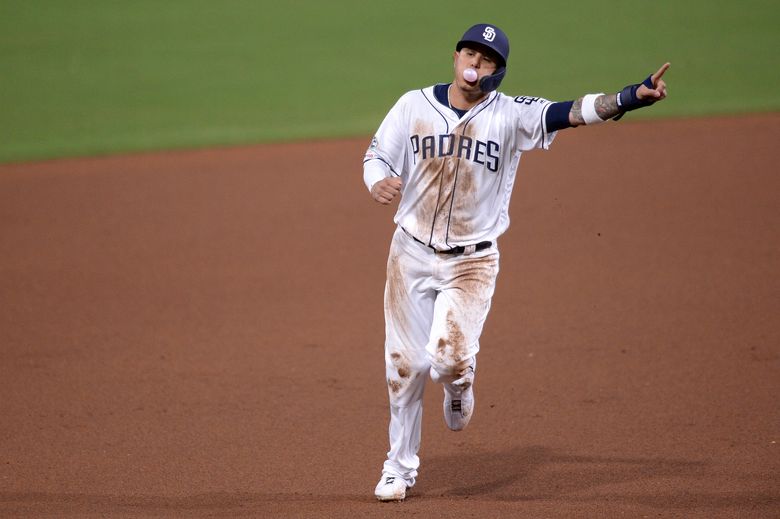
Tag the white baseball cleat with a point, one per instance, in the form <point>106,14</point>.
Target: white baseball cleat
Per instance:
<point>459,401</point>
<point>391,488</point>
<point>458,408</point>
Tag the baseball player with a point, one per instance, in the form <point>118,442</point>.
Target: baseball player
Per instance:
<point>451,152</point>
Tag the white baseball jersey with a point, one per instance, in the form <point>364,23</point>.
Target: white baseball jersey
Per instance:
<point>457,172</point>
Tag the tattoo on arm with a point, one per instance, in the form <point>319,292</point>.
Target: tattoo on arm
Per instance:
<point>575,114</point>
<point>606,108</point>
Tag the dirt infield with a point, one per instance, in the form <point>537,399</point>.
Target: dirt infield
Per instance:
<point>199,334</point>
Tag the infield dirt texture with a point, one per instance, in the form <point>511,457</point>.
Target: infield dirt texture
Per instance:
<point>200,333</point>
<point>185,336</point>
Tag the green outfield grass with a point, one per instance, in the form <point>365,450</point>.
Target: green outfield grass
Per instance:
<point>90,77</point>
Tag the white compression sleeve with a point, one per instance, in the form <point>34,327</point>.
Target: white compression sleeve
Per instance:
<point>589,109</point>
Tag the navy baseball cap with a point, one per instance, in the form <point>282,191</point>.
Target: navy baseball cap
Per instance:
<point>490,36</point>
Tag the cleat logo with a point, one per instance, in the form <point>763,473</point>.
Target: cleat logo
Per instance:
<point>489,34</point>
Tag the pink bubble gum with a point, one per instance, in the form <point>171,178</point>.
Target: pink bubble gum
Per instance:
<point>470,75</point>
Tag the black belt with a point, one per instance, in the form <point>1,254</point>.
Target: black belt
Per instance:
<point>455,250</point>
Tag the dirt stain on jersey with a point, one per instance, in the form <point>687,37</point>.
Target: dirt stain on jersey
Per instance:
<point>423,127</point>
<point>464,205</point>
<point>432,196</point>
<point>434,186</point>
<point>444,201</point>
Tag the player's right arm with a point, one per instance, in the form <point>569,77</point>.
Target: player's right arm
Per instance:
<point>384,160</point>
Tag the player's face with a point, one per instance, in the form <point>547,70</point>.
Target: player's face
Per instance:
<point>480,60</point>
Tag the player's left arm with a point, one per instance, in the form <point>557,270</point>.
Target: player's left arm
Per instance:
<point>597,108</point>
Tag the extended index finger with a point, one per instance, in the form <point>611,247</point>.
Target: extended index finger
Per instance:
<point>655,77</point>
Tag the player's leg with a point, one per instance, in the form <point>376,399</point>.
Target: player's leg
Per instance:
<point>409,300</point>
<point>461,307</point>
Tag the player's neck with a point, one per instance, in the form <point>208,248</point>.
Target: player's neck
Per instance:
<point>463,100</point>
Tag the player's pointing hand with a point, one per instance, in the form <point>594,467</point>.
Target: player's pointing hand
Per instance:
<point>658,91</point>
<point>385,190</point>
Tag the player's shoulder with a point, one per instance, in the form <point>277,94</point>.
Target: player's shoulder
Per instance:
<point>418,93</point>
<point>414,98</point>
<point>522,100</point>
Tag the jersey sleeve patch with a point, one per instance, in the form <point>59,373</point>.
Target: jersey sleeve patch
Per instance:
<point>533,132</point>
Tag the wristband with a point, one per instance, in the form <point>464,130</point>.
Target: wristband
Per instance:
<point>627,99</point>
<point>589,114</point>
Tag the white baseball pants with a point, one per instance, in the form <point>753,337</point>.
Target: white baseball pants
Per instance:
<point>435,307</point>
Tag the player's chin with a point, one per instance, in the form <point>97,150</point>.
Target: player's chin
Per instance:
<point>470,86</point>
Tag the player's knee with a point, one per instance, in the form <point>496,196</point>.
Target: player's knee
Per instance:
<point>450,357</point>
<point>449,365</point>
<point>403,365</point>
<point>404,373</point>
